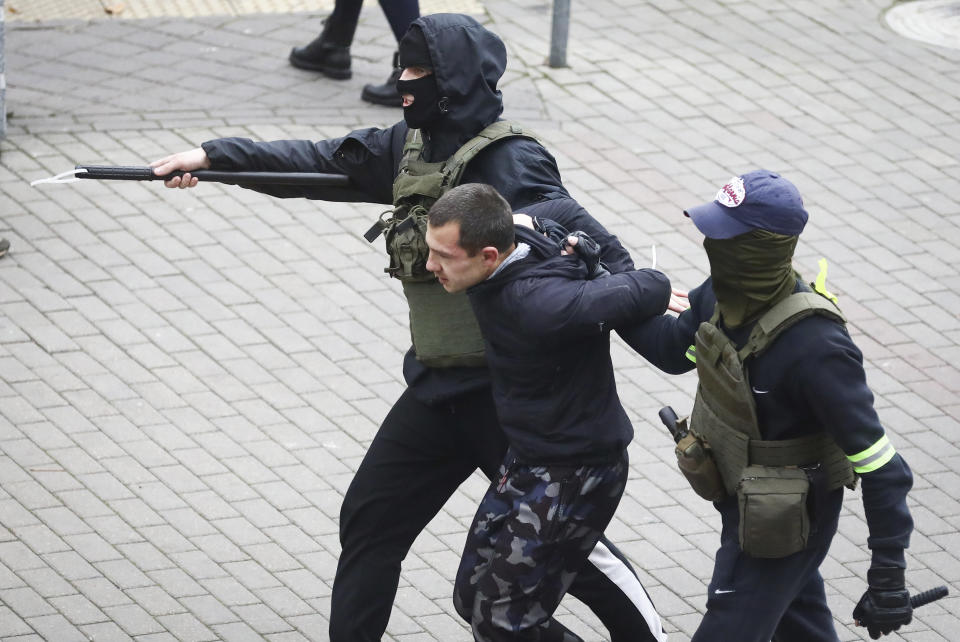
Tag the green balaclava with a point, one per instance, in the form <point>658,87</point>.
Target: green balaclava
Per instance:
<point>751,273</point>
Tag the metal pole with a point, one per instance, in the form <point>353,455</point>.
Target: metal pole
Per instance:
<point>558,33</point>
<point>3,79</point>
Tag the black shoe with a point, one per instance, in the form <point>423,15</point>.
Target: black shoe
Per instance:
<point>385,94</point>
<point>4,246</point>
<point>329,59</point>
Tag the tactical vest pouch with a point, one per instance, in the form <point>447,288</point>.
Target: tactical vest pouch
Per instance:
<point>407,247</point>
<point>729,446</point>
<point>774,521</point>
<point>695,461</point>
<point>443,327</point>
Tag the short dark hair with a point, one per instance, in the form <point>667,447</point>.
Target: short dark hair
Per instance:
<point>485,217</point>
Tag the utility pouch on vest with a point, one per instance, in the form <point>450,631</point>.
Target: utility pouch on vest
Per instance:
<point>729,446</point>
<point>407,247</point>
<point>774,521</point>
<point>695,461</point>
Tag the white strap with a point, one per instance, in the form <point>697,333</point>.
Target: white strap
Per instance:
<point>61,177</point>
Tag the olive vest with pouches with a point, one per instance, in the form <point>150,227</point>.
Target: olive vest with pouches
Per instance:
<point>724,412</point>
<point>443,327</point>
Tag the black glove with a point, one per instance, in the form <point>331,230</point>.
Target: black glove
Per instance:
<point>885,606</point>
<point>589,252</point>
<point>586,248</point>
<point>552,230</point>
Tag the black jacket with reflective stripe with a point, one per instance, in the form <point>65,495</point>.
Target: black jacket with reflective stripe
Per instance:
<point>810,379</point>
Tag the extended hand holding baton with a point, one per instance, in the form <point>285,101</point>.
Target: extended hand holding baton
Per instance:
<point>886,617</point>
<point>143,173</point>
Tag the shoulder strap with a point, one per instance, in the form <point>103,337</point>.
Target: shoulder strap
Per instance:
<point>795,307</point>
<point>490,134</point>
<point>412,148</point>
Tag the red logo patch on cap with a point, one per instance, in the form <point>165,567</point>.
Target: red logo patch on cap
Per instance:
<point>732,194</point>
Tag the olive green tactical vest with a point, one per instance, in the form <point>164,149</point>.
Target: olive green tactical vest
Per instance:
<point>443,327</point>
<point>724,414</point>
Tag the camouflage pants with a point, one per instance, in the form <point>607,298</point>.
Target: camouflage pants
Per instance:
<point>533,531</point>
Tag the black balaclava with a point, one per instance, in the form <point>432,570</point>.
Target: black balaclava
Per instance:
<point>427,107</point>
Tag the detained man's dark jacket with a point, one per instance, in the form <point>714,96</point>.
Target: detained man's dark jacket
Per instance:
<point>811,379</point>
<point>468,63</point>
<point>546,329</point>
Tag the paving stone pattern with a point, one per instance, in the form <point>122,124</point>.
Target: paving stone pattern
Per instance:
<point>188,379</point>
<point>46,10</point>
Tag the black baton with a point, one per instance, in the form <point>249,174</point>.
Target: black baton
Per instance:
<point>926,597</point>
<point>142,173</point>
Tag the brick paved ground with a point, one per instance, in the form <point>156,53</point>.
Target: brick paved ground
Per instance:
<point>189,379</point>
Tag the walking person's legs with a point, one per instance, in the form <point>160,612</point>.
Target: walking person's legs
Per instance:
<point>329,53</point>
<point>399,13</point>
<point>415,462</point>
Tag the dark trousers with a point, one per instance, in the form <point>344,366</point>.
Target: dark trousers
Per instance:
<point>399,13</point>
<point>419,457</point>
<point>758,600</point>
<point>531,535</point>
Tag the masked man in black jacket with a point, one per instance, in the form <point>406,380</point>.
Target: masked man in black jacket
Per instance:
<point>444,425</point>
<point>784,407</point>
<point>546,327</point>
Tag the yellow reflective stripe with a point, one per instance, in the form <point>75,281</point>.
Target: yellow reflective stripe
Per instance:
<point>873,457</point>
<point>820,285</point>
<point>863,454</point>
<point>692,353</point>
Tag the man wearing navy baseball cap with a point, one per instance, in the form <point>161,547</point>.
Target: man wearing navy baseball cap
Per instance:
<point>784,412</point>
<point>751,230</point>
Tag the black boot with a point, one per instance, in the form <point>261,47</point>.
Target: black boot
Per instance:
<point>324,54</point>
<point>385,94</point>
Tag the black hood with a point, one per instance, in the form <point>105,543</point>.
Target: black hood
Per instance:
<point>468,61</point>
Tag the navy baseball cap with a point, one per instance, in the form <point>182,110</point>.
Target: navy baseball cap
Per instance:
<point>757,200</point>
